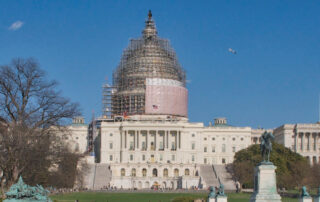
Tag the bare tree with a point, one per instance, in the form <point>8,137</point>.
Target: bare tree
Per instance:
<point>31,112</point>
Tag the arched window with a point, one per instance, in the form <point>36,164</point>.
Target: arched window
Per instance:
<point>164,185</point>
<point>165,172</point>
<point>187,172</point>
<point>133,172</point>
<point>144,172</point>
<point>176,172</point>
<point>123,172</point>
<point>154,172</point>
<point>147,185</point>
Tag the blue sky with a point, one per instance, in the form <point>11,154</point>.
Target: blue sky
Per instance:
<point>273,79</point>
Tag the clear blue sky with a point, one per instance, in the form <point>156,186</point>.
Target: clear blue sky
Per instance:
<point>273,79</point>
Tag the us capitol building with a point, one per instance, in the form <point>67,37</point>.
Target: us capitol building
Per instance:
<point>144,139</point>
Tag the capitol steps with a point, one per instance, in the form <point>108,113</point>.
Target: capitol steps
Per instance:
<point>102,176</point>
<point>225,177</point>
<point>89,176</point>
<point>208,176</point>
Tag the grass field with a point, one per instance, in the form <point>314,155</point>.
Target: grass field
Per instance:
<point>144,197</point>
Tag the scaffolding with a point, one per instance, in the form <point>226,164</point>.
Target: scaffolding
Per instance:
<point>107,91</point>
<point>145,57</point>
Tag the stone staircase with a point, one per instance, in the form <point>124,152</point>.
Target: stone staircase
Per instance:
<point>97,176</point>
<point>89,176</point>
<point>102,176</point>
<point>225,177</point>
<point>208,176</point>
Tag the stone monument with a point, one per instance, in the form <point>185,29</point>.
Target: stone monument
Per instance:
<point>212,195</point>
<point>221,196</point>
<point>265,185</point>
<point>305,196</point>
<point>20,192</point>
<point>317,198</point>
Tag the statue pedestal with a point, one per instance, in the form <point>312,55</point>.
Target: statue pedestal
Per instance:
<point>316,199</point>
<point>222,199</point>
<point>211,200</point>
<point>305,199</point>
<point>265,185</point>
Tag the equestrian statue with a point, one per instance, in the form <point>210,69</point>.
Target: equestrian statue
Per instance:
<point>266,147</point>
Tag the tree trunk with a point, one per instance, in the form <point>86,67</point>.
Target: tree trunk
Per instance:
<point>15,174</point>
<point>3,194</point>
<point>14,178</point>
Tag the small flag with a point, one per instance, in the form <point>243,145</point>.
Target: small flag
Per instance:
<point>125,115</point>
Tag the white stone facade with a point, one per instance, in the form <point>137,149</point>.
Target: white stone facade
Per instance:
<point>149,151</point>
<point>301,138</point>
<point>142,153</point>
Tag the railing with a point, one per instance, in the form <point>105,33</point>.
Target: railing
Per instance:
<point>94,175</point>
<point>215,172</point>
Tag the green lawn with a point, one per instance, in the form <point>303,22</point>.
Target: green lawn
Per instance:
<point>143,197</point>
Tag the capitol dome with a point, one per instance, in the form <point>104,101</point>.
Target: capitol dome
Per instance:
<point>149,78</point>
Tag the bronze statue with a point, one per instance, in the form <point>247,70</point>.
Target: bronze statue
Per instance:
<point>23,192</point>
<point>304,192</point>
<point>221,190</point>
<point>150,14</point>
<point>266,146</point>
<point>212,193</point>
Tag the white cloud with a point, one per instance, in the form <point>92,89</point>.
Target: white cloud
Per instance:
<point>16,25</point>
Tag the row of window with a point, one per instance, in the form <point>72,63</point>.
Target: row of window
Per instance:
<point>223,149</point>
<point>155,172</point>
<point>233,139</point>
<point>152,158</point>
<point>205,161</point>
<point>152,147</point>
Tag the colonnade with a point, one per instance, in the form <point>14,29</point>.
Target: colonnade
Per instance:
<point>305,142</point>
<point>150,140</point>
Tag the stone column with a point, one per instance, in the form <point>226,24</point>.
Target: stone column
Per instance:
<point>134,140</point>
<point>155,141</point>
<point>167,141</point>
<point>296,142</point>
<point>314,136</point>
<point>164,140</point>
<point>302,141</point>
<point>316,142</point>
<point>137,139</point>
<point>125,139</point>
<point>308,143</point>
<point>121,145</point>
<point>147,133</point>
<point>175,140</point>
<point>179,139</point>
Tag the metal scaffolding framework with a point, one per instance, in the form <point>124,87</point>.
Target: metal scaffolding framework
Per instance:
<point>145,57</point>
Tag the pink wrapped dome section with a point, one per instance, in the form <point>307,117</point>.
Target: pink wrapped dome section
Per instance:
<point>166,97</point>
